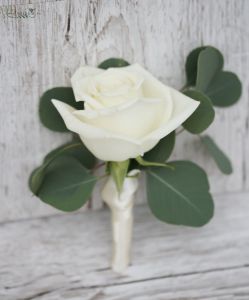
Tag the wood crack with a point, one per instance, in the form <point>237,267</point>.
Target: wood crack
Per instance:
<point>67,36</point>
<point>99,286</point>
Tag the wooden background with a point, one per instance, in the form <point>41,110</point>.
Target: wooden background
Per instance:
<point>43,42</point>
<point>46,257</point>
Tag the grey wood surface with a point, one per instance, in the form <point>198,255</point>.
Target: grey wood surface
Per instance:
<point>43,42</point>
<point>67,257</point>
<point>48,256</point>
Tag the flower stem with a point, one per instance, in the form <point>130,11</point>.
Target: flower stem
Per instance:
<point>121,206</point>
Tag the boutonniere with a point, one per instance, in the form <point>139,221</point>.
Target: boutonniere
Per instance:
<point>121,114</point>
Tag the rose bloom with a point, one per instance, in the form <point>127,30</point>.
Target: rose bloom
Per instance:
<point>126,111</point>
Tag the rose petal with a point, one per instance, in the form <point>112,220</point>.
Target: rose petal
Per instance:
<point>183,107</point>
<point>80,75</point>
<point>135,119</point>
<point>103,144</point>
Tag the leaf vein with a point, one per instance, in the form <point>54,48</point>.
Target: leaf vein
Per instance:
<point>176,191</point>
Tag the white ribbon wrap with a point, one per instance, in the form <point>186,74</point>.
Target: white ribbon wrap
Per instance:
<point>121,206</point>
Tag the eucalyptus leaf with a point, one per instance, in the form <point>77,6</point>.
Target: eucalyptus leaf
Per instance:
<point>210,63</point>
<point>191,65</point>
<point>203,116</point>
<point>225,89</point>
<point>49,116</point>
<point>162,151</point>
<point>180,196</point>
<point>67,185</point>
<point>220,158</point>
<point>35,179</point>
<point>75,149</point>
<point>113,63</point>
<point>222,87</point>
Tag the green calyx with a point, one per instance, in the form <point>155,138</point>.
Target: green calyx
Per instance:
<point>146,163</point>
<point>118,171</point>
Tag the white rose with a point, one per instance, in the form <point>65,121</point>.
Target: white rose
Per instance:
<point>126,112</point>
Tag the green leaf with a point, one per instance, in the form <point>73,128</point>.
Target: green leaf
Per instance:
<point>203,116</point>
<point>113,63</point>
<point>210,63</point>
<point>220,158</point>
<point>146,163</point>
<point>118,170</point>
<point>225,89</point>
<point>162,151</point>
<point>180,196</point>
<point>75,149</point>
<point>49,116</point>
<point>67,185</point>
<point>35,179</point>
<point>191,65</point>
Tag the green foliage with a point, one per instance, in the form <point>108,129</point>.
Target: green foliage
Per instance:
<point>49,115</point>
<point>76,149</point>
<point>225,89</point>
<point>210,63</point>
<point>191,65</point>
<point>203,115</point>
<point>146,163</point>
<point>162,151</point>
<point>118,170</point>
<point>180,196</point>
<point>220,158</point>
<point>204,72</point>
<point>54,167</point>
<point>67,184</point>
<point>35,179</point>
<point>113,63</point>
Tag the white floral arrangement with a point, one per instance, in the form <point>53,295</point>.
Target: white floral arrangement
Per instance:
<point>124,116</point>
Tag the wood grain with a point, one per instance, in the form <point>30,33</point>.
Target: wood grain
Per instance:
<point>67,257</point>
<point>44,49</point>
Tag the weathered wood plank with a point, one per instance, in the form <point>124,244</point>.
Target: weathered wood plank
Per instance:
<point>67,257</point>
<point>43,51</point>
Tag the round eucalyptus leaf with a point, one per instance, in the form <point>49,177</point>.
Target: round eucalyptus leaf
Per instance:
<point>49,116</point>
<point>225,89</point>
<point>203,116</point>
<point>180,196</point>
<point>35,179</point>
<point>76,149</point>
<point>67,185</point>
<point>220,158</point>
<point>162,151</point>
<point>113,63</point>
<point>191,65</point>
<point>210,63</point>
